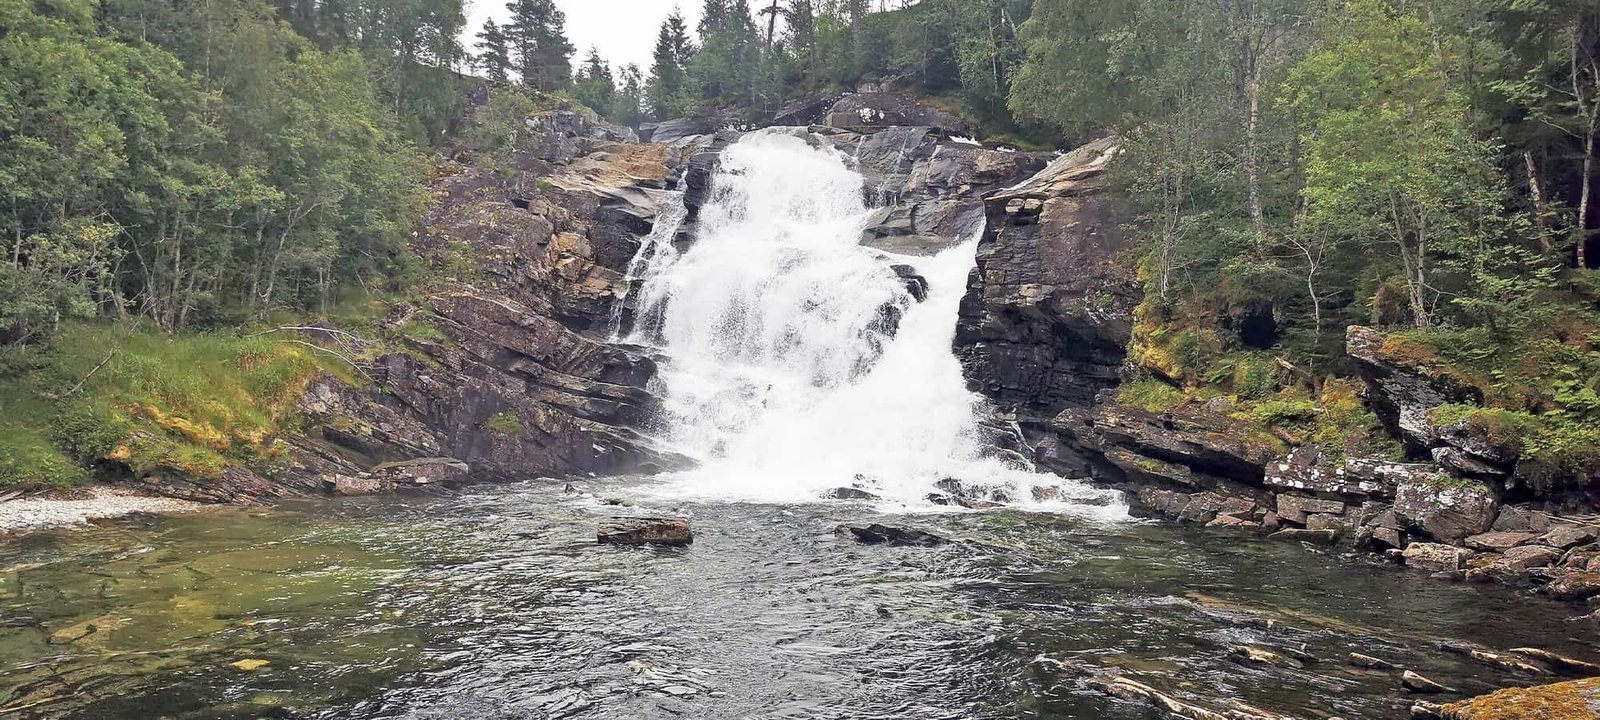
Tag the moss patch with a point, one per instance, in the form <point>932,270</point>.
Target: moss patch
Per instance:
<point>1561,701</point>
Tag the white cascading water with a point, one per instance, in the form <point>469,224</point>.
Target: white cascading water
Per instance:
<point>781,375</point>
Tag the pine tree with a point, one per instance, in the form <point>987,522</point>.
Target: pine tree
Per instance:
<point>494,58</point>
<point>595,87</point>
<point>537,34</point>
<point>627,107</point>
<point>667,91</point>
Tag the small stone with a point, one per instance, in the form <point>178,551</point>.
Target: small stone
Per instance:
<point>1419,684</point>
<point>1370,662</point>
<point>1387,537</point>
<point>645,531</point>
<point>1435,557</point>
<point>1498,541</point>
<point>1229,521</point>
<point>1427,711</point>
<point>347,486</point>
<point>250,665</point>
<point>1568,536</point>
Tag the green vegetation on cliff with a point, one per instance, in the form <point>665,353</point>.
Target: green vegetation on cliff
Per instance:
<point>1295,167</point>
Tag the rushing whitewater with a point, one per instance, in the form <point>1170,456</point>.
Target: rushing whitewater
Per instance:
<point>798,361</point>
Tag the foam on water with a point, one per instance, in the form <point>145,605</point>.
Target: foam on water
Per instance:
<point>785,375</point>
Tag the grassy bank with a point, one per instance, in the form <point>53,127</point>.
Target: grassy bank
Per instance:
<point>104,398</point>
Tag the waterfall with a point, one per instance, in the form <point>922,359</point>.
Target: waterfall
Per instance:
<point>797,361</point>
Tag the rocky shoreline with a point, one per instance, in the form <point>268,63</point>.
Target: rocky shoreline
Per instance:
<point>67,509</point>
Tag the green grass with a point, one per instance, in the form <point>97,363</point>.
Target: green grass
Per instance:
<point>104,395</point>
<point>505,422</point>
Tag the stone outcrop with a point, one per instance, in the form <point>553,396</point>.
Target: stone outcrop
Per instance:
<point>1047,316</point>
<point>1573,700</point>
<point>503,370</point>
<point>867,112</point>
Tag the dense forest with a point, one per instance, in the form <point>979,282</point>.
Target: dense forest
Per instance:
<point>1290,167</point>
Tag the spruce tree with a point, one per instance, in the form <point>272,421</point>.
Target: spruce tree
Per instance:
<point>494,58</point>
<point>667,92</point>
<point>595,87</point>
<point>537,34</point>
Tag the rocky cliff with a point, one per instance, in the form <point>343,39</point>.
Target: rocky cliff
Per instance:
<point>1044,332</point>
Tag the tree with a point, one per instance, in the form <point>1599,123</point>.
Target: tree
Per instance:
<point>668,92</point>
<point>494,57</point>
<point>543,55</point>
<point>595,87</point>
<point>628,107</point>
<point>1391,161</point>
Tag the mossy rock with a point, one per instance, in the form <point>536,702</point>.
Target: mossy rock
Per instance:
<point>1573,700</point>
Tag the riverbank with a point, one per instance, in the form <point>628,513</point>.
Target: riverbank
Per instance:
<point>82,505</point>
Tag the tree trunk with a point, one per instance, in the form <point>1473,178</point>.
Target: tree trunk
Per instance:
<point>1537,193</point>
<point>1252,162</point>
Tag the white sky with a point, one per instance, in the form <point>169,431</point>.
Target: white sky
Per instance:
<point>624,30</point>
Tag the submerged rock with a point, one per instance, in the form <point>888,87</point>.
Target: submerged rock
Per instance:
<point>885,534</point>
<point>645,531</point>
<point>1369,662</point>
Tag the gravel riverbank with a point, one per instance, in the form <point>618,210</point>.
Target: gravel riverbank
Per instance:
<point>36,513</point>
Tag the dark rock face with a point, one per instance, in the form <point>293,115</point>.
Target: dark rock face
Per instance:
<point>874,111</point>
<point>1401,394</point>
<point>504,371</point>
<point>1047,316</point>
<point>645,531</point>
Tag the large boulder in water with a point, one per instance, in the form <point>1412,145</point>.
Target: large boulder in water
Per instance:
<point>644,531</point>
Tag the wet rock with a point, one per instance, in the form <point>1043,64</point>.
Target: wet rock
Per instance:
<point>1261,656</point>
<point>1132,690</point>
<point>1421,710</point>
<point>1315,537</point>
<point>645,531</point>
<point>1499,541</point>
<point>1574,700</point>
<point>1447,509</point>
<point>1413,682</point>
<point>679,130</point>
<point>1575,586</point>
<point>1492,659</point>
<point>849,493</point>
<point>1369,662</point>
<point>1559,663</point>
<point>1435,557</point>
<point>885,534</point>
<point>915,284</point>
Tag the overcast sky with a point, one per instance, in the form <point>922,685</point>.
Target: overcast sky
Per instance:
<point>624,30</point>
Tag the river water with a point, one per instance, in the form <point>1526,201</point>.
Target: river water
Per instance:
<point>794,362</point>
<point>497,603</point>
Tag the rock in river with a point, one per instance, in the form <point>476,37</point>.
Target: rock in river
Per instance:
<point>645,531</point>
<point>876,533</point>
